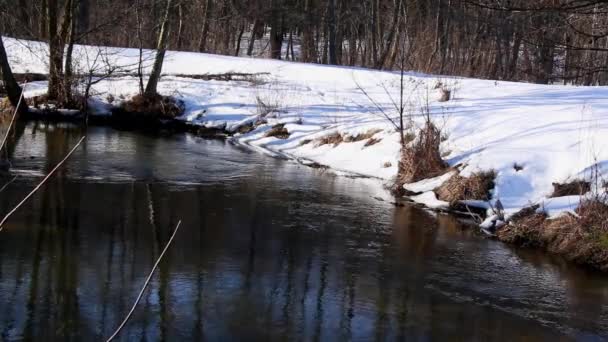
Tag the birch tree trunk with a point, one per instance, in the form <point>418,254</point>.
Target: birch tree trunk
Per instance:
<point>151,87</point>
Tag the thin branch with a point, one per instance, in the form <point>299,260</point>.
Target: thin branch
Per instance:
<point>141,292</point>
<point>40,184</point>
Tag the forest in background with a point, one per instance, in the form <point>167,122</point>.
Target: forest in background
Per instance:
<point>540,41</point>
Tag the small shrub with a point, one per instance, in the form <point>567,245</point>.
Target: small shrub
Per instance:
<point>574,188</point>
<point>305,142</point>
<point>476,187</point>
<point>157,106</point>
<point>278,131</point>
<point>422,159</point>
<point>330,139</point>
<point>387,165</point>
<point>265,107</point>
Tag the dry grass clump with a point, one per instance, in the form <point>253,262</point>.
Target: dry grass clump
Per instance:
<point>475,187</point>
<point>363,136</point>
<point>267,107</point>
<point>582,238</point>
<point>372,142</point>
<point>244,129</point>
<point>157,106</point>
<point>422,159</point>
<point>278,131</point>
<point>574,188</point>
<point>526,230</point>
<point>330,139</point>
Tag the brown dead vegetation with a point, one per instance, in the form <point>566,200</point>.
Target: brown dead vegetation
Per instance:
<point>574,188</point>
<point>330,139</point>
<point>244,129</point>
<point>422,159</point>
<point>582,238</point>
<point>278,131</point>
<point>362,136</point>
<point>475,187</point>
<point>43,103</point>
<point>153,107</point>
<point>372,142</point>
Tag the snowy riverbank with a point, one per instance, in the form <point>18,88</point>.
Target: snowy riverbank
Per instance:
<point>530,135</point>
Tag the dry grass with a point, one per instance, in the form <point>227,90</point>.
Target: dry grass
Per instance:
<point>422,159</point>
<point>574,188</point>
<point>371,142</point>
<point>158,106</point>
<point>363,136</point>
<point>476,187</point>
<point>582,239</point>
<point>244,129</point>
<point>278,131</point>
<point>267,107</point>
<point>330,139</point>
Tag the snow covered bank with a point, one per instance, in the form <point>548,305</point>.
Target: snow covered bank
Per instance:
<point>530,135</point>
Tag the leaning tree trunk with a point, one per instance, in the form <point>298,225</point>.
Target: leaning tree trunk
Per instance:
<point>12,87</point>
<point>160,54</point>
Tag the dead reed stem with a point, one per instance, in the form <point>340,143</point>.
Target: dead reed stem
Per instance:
<point>141,292</point>
<point>40,184</point>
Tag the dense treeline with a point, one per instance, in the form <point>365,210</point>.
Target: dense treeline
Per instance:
<point>540,41</point>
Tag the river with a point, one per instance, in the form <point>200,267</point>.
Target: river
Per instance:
<point>268,250</point>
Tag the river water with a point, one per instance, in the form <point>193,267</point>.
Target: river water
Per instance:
<point>268,250</point>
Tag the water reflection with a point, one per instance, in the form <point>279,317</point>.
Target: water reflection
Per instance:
<point>267,251</point>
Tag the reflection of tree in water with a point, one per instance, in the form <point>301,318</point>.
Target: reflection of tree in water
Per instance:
<point>13,138</point>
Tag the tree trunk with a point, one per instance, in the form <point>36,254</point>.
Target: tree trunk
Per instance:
<point>202,44</point>
<point>309,51</point>
<point>331,25</point>
<point>13,89</point>
<point>237,49</point>
<point>276,31</point>
<point>180,27</point>
<point>254,32</point>
<point>151,87</point>
<point>67,77</point>
<point>83,17</point>
<point>55,52</point>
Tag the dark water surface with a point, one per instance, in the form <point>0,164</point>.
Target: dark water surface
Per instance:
<point>268,250</point>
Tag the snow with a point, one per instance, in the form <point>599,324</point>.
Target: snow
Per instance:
<point>557,133</point>
<point>430,200</point>
<point>429,184</point>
